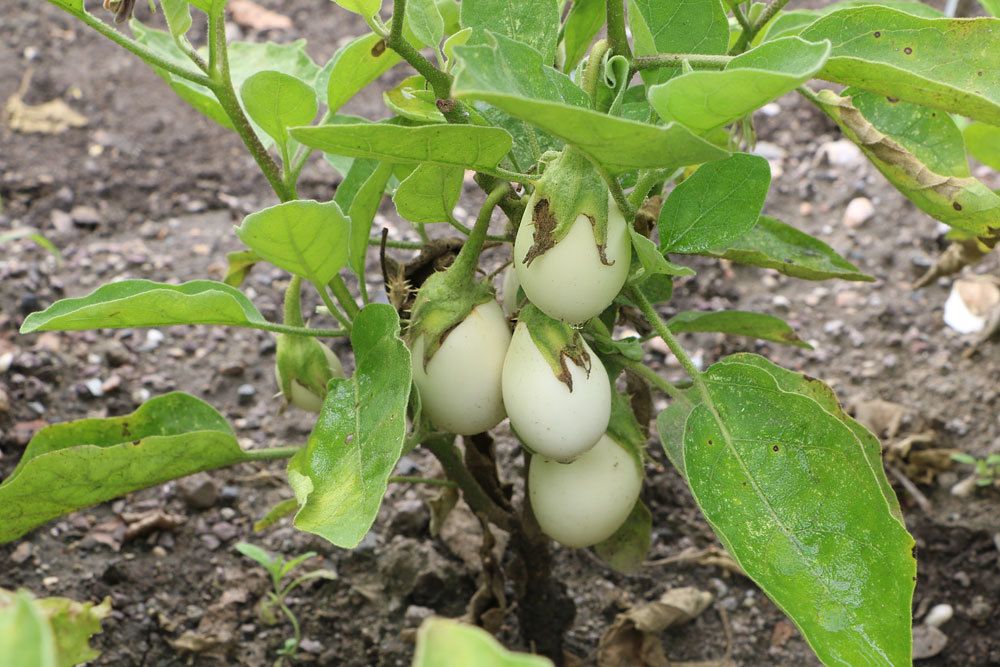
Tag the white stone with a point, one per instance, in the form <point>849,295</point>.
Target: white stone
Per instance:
<point>859,211</point>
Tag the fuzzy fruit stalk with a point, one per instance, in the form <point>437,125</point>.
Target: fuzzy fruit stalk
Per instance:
<point>556,391</point>
<point>303,366</point>
<point>572,251</point>
<point>584,502</point>
<point>458,338</point>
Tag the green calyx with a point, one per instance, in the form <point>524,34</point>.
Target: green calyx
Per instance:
<point>304,360</point>
<point>569,188</point>
<point>443,302</point>
<point>557,341</point>
<point>624,428</point>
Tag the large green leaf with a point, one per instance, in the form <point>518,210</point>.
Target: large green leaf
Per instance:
<point>352,67</point>
<point>793,22</point>
<point>794,494</point>
<point>177,14</point>
<point>72,6</point>
<point>704,100</point>
<point>77,464</point>
<point>890,133</point>
<point>425,21</point>
<point>73,624</point>
<point>144,303</point>
<point>366,8</point>
<point>584,21</point>
<point>364,206</point>
<point>516,81</point>
<point>690,26</point>
<point>453,145</point>
<point>304,237</point>
<point>442,642</point>
<point>626,550</point>
<point>983,143</point>
<point>737,323</point>
<point>276,101</point>
<point>771,244</point>
<point>533,23</point>
<point>915,58</point>
<point>429,194</point>
<point>991,6</point>
<point>340,476</point>
<point>717,204</point>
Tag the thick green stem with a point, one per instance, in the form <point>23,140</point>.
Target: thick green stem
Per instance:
<point>344,296</point>
<point>293,303</point>
<point>222,85</point>
<point>741,18</point>
<point>653,378</point>
<point>647,179</point>
<point>274,327</point>
<point>465,264</point>
<point>696,60</point>
<point>272,454</point>
<point>654,319</point>
<point>617,37</point>
<point>451,461</point>
<point>140,50</point>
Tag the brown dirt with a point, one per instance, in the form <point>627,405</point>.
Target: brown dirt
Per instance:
<point>166,186</point>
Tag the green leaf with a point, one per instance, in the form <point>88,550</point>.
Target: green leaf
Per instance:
<point>793,22</point>
<point>914,58</point>
<point>262,557</point>
<point>425,21</point>
<point>340,476</point>
<point>364,206</point>
<point>790,491</point>
<point>717,204</point>
<point>584,21</point>
<point>515,81</point>
<point>26,638</point>
<point>429,194</point>
<point>238,266</point>
<point>73,624</point>
<point>304,237</point>
<point>888,133</point>
<point>983,142</point>
<point>737,323</point>
<point>354,66</point>
<point>366,8</point>
<point>177,14</point>
<point>73,465</point>
<point>452,145</point>
<point>144,303</point>
<point>991,6</point>
<point>277,101</point>
<point>411,99</point>
<point>692,26</point>
<point>32,234</point>
<point>533,23</point>
<point>443,642</point>
<point>649,261</point>
<point>704,100</point>
<point>626,550</point>
<point>771,244</point>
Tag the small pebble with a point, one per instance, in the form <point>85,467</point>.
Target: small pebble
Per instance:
<point>859,211</point>
<point>939,615</point>
<point>245,393</point>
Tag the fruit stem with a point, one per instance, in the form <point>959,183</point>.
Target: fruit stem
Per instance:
<point>654,319</point>
<point>464,268</point>
<point>293,303</point>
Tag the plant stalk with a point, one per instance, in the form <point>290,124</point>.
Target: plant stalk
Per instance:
<point>617,37</point>
<point>465,264</point>
<point>696,60</point>
<point>273,453</point>
<point>344,297</point>
<point>447,455</point>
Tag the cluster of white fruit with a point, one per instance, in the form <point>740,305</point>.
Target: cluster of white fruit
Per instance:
<point>582,483</point>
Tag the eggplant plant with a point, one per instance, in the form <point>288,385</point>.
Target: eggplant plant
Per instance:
<point>615,140</point>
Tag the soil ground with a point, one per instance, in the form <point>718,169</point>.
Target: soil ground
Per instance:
<point>151,189</point>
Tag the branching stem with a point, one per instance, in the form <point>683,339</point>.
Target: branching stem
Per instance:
<point>454,467</point>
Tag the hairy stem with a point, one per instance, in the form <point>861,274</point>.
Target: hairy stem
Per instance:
<point>653,378</point>
<point>654,319</point>
<point>447,455</point>
<point>617,38</point>
<point>344,320</point>
<point>749,32</point>
<point>696,60</point>
<point>293,303</point>
<point>344,297</point>
<point>428,481</point>
<point>465,264</point>
<point>272,454</point>
<point>222,85</point>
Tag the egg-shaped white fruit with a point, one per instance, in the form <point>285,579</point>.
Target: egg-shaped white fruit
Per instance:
<point>460,385</point>
<point>584,502</point>
<point>569,282</point>
<point>302,396</point>
<point>552,420</point>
